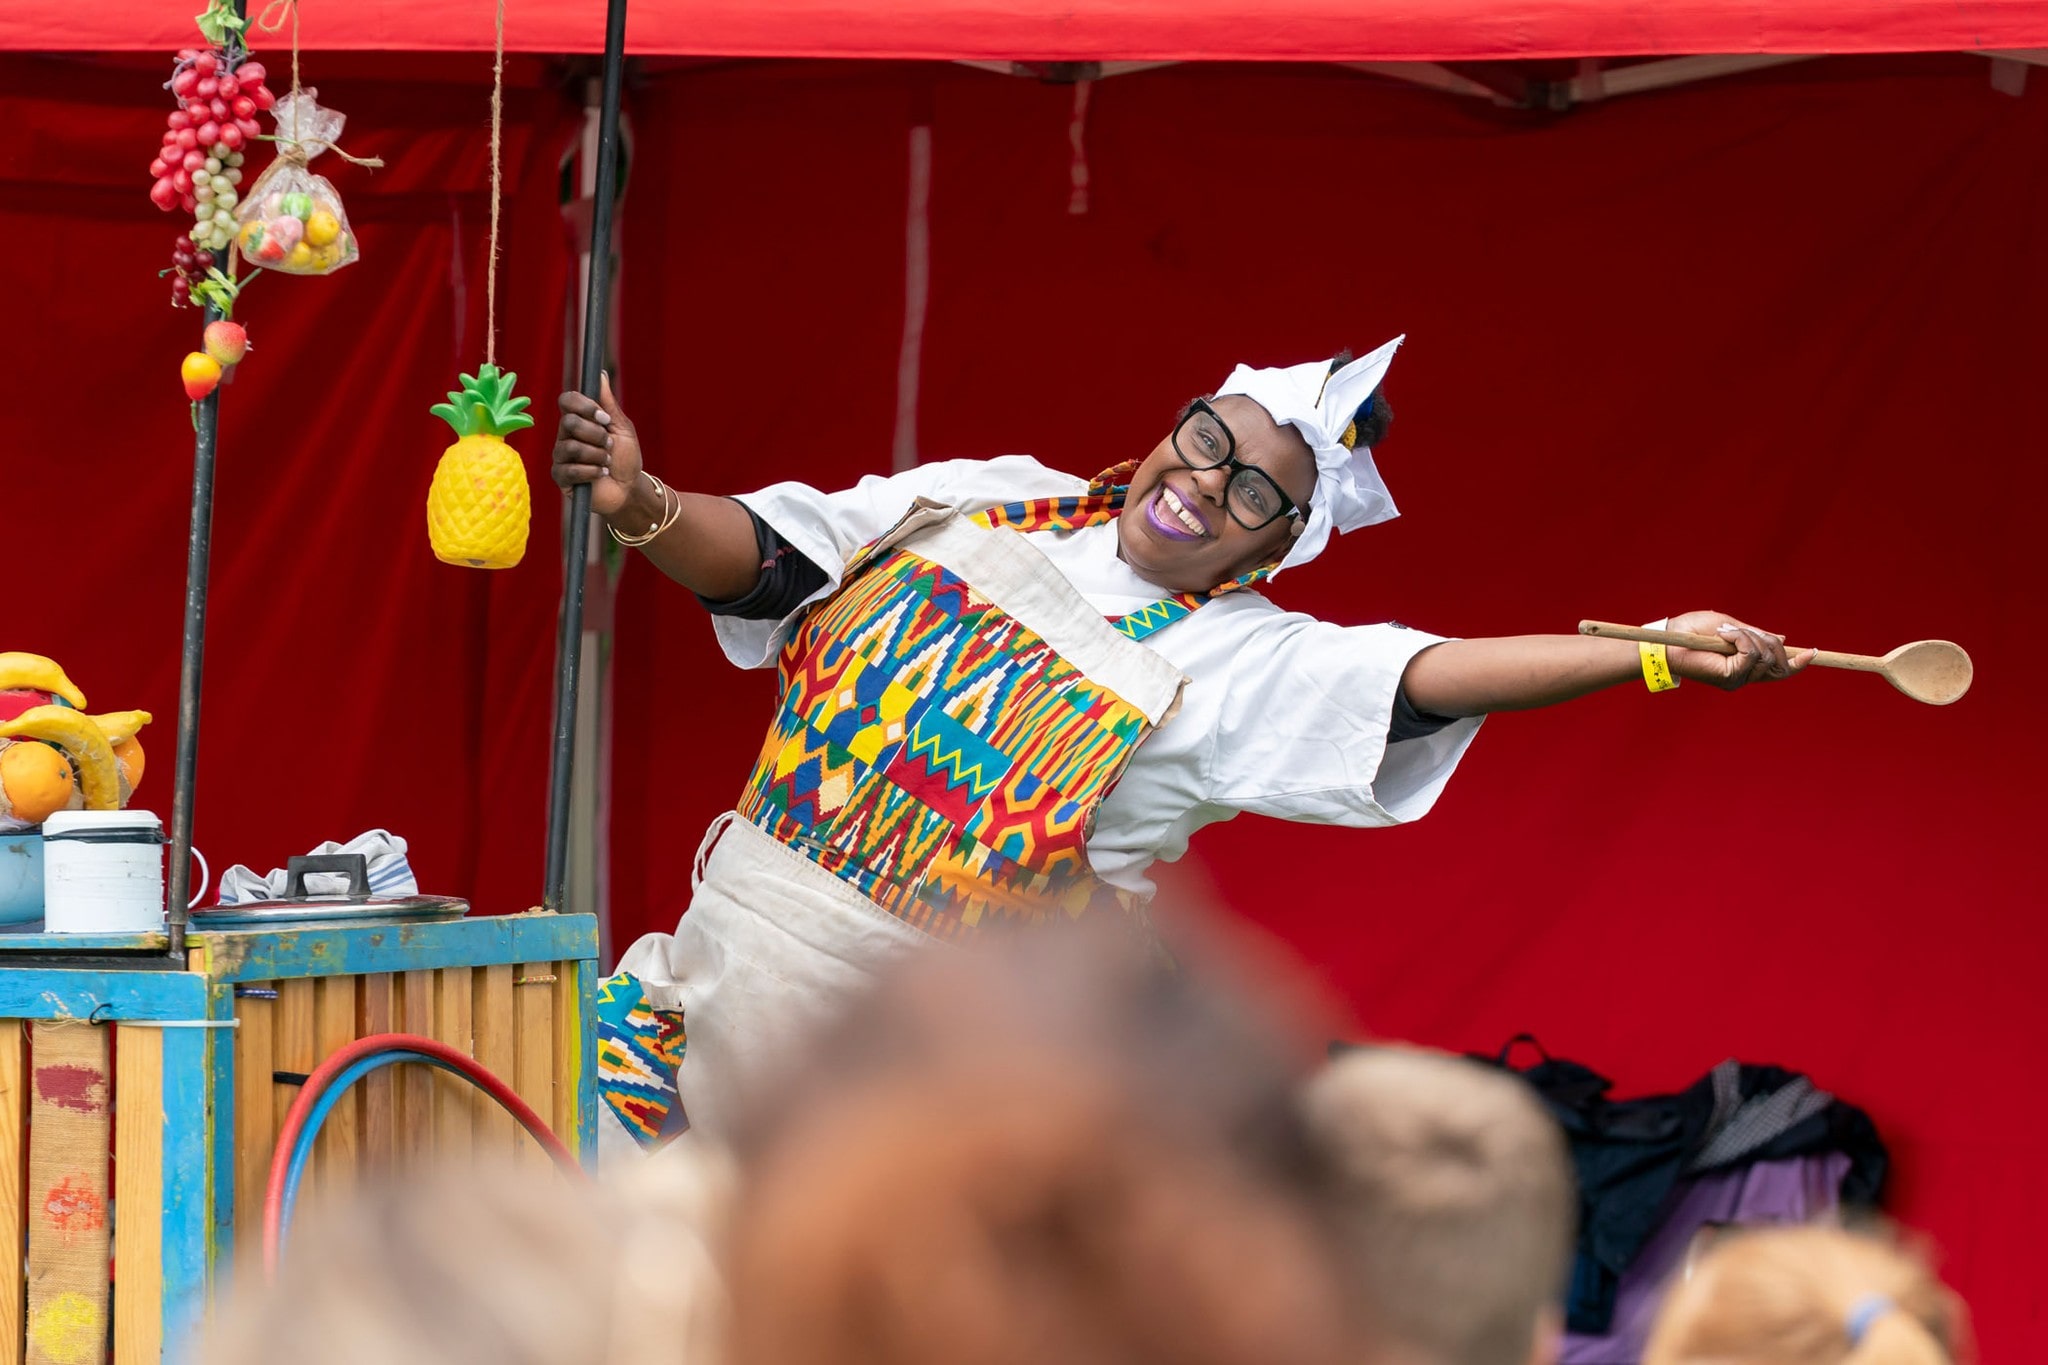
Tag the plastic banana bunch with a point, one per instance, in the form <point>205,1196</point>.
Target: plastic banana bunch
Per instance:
<point>53,756</point>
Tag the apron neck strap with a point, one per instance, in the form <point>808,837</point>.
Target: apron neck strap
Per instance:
<point>1103,500</point>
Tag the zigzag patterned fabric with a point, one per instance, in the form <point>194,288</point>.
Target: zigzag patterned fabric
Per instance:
<point>941,757</point>
<point>938,755</point>
<point>1104,500</point>
<point>639,1051</point>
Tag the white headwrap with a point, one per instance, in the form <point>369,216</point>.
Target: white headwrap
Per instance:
<point>1349,491</point>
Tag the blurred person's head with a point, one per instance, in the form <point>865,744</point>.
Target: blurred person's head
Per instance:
<point>1809,1296</point>
<point>1056,1152</point>
<point>1221,1037</point>
<point>1451,1204</point>
<point>495,1265</point>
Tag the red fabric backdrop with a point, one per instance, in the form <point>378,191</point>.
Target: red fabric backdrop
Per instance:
<point>1767,344</point>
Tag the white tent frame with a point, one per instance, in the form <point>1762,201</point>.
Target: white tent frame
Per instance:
<point>1596,79</point>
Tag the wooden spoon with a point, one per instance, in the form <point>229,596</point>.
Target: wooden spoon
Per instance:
<point>1933,671</point>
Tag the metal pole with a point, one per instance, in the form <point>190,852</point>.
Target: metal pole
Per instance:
<point>596,320</point>
<point>192,663</point>
<point>192,654</point>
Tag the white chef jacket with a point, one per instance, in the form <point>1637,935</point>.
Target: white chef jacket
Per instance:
<point>1283,714</point>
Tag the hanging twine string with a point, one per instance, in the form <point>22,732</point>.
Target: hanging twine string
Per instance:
<point>299,153</point>
<point>272,19</point>
<point>291,149</point>
<point>497,127</point>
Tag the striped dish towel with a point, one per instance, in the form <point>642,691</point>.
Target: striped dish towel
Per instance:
<point>390,873</point>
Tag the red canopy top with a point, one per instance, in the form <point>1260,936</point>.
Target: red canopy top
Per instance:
<point>1056,30</point>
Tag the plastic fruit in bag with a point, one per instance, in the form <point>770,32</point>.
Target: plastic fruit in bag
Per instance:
<point>258,244</point>
<point>269,240</point>
<point>289,206</point>
<point>479,506</point>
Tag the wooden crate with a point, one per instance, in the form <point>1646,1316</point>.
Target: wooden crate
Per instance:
<point>184,1076</point>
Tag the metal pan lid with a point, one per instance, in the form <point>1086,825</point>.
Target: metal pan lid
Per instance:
<point>330,908</point>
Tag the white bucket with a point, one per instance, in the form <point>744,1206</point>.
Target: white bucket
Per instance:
<point>103,872</point>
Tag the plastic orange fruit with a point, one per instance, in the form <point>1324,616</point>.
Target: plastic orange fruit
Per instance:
<point>128,753</point>
<point>36,780</point>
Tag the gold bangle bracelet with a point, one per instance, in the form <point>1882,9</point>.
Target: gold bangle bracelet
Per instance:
<point>671,507</point>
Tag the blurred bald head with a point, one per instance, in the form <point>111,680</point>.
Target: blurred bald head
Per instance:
<point>1453,1206</point>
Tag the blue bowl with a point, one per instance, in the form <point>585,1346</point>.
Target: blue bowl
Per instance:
<point>21,877</point>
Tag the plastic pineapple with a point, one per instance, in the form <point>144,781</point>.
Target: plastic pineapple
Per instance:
<point>479,507</point>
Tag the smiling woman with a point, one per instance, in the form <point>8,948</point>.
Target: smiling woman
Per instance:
<point>1212,509</point>
<point>1007,691</point>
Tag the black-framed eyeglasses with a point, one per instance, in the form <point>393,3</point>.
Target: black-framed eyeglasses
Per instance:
<point>1253,498</point>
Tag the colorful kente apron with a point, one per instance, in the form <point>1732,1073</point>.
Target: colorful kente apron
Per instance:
<point>950,721</point>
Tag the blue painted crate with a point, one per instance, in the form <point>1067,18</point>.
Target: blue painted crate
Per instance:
<point>220,1039</point>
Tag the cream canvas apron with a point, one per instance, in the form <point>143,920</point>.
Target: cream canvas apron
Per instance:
<point>950,720</point>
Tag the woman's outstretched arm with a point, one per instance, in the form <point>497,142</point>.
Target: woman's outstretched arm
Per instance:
<point>1520,672</point>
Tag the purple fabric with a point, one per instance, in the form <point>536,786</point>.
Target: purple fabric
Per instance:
<point>1795,1190</point>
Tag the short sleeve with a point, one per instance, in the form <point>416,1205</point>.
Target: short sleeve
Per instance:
<point>1303,730</point>
<point>787,579</point>
<point>828,528</point>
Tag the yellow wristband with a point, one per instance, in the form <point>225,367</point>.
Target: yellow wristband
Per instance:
<point>1657,674</point>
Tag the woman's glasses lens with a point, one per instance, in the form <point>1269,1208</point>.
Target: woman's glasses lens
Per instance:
<point>1253,499</point>
<point>1202,442</point>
